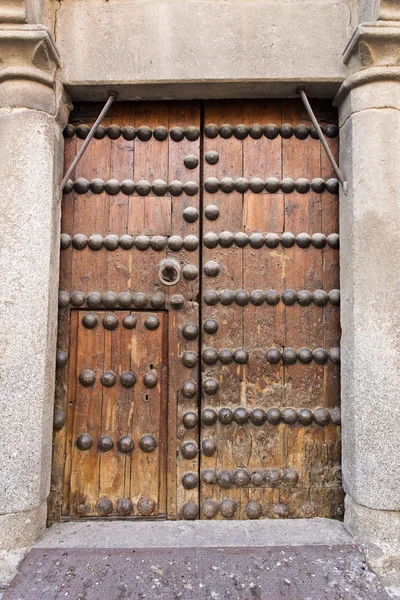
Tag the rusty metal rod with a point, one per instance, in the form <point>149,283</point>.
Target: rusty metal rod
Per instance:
<point>86,143</point>
<point>321,136</point>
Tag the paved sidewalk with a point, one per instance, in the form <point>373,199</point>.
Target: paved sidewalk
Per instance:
<point>286,560</point>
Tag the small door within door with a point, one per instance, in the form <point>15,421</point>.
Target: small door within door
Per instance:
<point>198,347</point>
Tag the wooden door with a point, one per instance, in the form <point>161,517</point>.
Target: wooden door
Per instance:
<point>198,361</point>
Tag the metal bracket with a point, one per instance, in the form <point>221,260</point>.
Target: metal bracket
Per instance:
<point>302,93</point>
<point>86,143</point>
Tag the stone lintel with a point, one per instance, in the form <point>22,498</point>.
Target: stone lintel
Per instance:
<point>29,62</point>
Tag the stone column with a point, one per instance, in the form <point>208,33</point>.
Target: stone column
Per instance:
<point>369,110</point>
<point>31,148</point>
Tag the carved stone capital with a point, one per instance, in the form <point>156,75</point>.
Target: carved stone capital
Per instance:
<point>389,10</point>
<point>374,45</point>
<point>29,62</point>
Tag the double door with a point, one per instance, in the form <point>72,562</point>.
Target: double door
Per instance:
<point>198,362</point>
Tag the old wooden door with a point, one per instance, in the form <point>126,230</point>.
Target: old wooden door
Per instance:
<point>198,362</point>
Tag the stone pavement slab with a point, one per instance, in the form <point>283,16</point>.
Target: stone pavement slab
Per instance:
<point>318,572</point>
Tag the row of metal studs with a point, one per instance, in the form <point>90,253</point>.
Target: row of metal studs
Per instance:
<point>271,297</point>
<point>211,240</point>
<point>288,356</point>
<point>228,507</point>
<point>124,507</point>
<point>258,416</point>
<point>212,185</point>
<point>160,133</point>
<point>241,477</point>
<point>125,443</point>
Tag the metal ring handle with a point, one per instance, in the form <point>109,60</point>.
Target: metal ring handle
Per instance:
<point>169,271</point>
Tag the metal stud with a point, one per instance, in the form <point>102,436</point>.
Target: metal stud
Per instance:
<point>152,322</point>
<point>84,441</point>
<point>287,185</point>
<point>159,187</point>
<point>210,326</point>
<point>104,507</point>
<point>190,480</point>
<point>334,297</point>
<point>274,416</point>
<point>110,322</point>
<point>109,299</point>
<point>320,356</point>
<point>257,478</point>
<point>175,243</point>
<point>128,133</point>
<point>301,132</point>
<point>305,356</point>
<point>87,377</point>
<point>142,242</point>
<point>211,268</point>
<point>210,240</point>
<point>150,379</point>
<point>112,187</point>
<point>241,477</point>
<point>177,302</point>
<point>322,416</point>
<point>125,300</point>
<point>190,359</point>
<point>331,131</point>
<point>242,185</point>
<point>108,378</point>
<point>209,356</point>
<point>97,185</point>
<point>160,133</point>
<point>334,355</point>
<point>59,419</point>
<point>191,161</point>
<point>302,185</point>
<point>303,240</point>
<point>211,298</point>
<point>81,185</point>
<point>226,239</point>
<point>241,415</point>
<point>225,416</point>
<point>190,214</point>
<point>209,416</point>
<point>286,130</point>
<point>192,133</point>
<point>332,186</point>
<point>318,185</point>
<point>271,131</point>
<point>280,509</point>
<point>241,356</point>
<point>335,416</point>
<point>211,212</point>
<point>227,508</point>
<point>256,185</point>
<point>333,240</point>
<point>190,511</point>
<point>212,157</point>
<point>189,450</point>
<point>209,476</point>
<point>208,447</point>
<point>190,420</point>
<point>289,297</point>
<point>272,240</point>
<point>129,322</point>
<point>111,242</point>
<point>189,389</point>
<point>272,185</point>
<point>63,299</point>
<point>305,416</point>
<point>190,243</point>
<point>256,131</point>
<point>190,331</point>
<point>105,443</point>
<point>146,506</point>
<point>211,185</point>
<point>69,131</point>
<point>190,188</point>
<point>128,187</point>
<point>253,510</point>
<point>93,300</point>
<point>175,188</point>
<point>225,479</point>
<point>176,134</point>
<point>289,416</point>
<point>210,386</point>
<point>95,242</point>
<point>211,130</point>
<point>241,297</point>
<point>143,187</point>
<point>77,299</point>
<point>209,508</point>
<point>240,132</point>
<point>257,297</point>
<point>258,416</point>
<point>144,133</point>
<point>227,185</point>
<point>140,300</point>
<point>61,359</point>
<point>318,240</point>
<point>272,297</point>
<point>124,507</point>
<point>274,356</point>
<point>226,131</point>
<point>304,298</point>
<point>241,239</point>
<point>125,444</point>
<point>288,239</point>
<point>273,476</point>
<point>289,356</point>
<point>147,443</point>
<point>128,379</point>
<point>225,356</point>
<point>256,240</point>
<point>65,241</point>
<point>320,298</point>
<point>69,186</point>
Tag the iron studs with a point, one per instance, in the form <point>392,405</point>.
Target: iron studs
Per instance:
<point>147,443</point>
<point>84,441</point>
